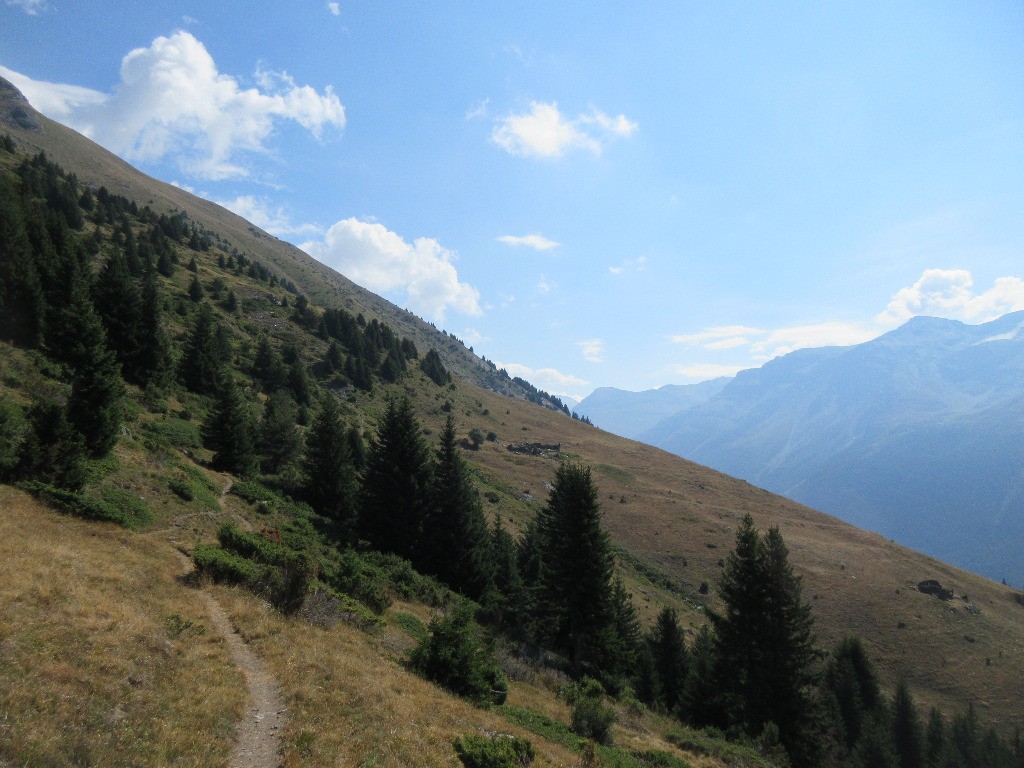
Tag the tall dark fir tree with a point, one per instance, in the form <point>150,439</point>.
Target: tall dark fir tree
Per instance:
<point>329,475</point>
<point>396,485</point>
<point>455,529</point>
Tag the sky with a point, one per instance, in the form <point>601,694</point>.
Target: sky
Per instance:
<point>600,194</point>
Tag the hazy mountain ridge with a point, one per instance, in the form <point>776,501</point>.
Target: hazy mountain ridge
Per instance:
<point>631,414</point>
<point>914,434</point>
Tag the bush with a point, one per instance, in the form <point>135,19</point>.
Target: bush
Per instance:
<point>181,488</point>
<point>455,657</point>
<point>501,750</point>
<point>591,717</point>
<point>130,515</point>
<point>223,566</point>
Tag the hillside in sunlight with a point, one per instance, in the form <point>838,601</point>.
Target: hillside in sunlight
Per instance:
<point>105,648</point>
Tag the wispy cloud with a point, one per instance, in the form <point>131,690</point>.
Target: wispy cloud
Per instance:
<point>544,133</point>
<point>268,217</point>
<point>704,371</point>
<point>381,260</point>
<point>716,334</point>
<point>478,110</point>
<point>31,7</point>
<point>334,8</point>
<point>549,379</point>
<point>592,349</point>
<point>536,241</point>
<point>546,286</point>
<point>638,264</point>
<point>173,102</point>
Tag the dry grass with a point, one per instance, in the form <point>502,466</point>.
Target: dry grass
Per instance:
<point>105,659</point>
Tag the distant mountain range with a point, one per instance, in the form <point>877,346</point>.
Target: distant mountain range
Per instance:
<point>918,435</point>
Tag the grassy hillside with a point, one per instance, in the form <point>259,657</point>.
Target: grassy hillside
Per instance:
<point>672,521</point>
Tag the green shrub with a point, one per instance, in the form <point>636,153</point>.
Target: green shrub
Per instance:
<point>87,507</point>
<point>223,566</point>
<point>406,582</point>
<point>181,488</point>
<point>455,657</point>
<point>501,750</point>
<point>253,546</point>
<point>179,433</point>
<point>253,491</point>
<point>352,575</point>
<point>129,508</point>
<point>591,717</point>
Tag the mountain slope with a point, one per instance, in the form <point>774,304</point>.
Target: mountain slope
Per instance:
<point>672,520</point>
<point>631,414</point>
<point>914,435</point>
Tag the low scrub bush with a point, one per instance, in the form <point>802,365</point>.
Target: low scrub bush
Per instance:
<point>455,657</point>
<point>501,750</point>
<point>130,515</point>
<point>181,488</point>
<point>591,717</point>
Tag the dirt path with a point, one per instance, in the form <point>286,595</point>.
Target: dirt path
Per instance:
<point>259,729</point>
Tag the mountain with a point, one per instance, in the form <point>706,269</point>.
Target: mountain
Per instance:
<point>98,631</point>
<point>915,435</point>
<point>631,414</point>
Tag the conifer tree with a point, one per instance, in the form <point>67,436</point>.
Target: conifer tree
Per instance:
<point>906,729</point>
<point>504,601</point>
<point>935,739</point>
<point>577,570</point>
<point>153,359</point>
<point>330,478</point>
<point>396,485</point>
<point>204,354</point>
<point>230,430</point>
<point>455,528</point>
<point>22,300</point>
<point>701,701</point>
<point>279,441</point>
<point>118,302</point>
<point>669,656</point>
<point>52,450</point>
<point>195,289</point>
<point>765,644</point>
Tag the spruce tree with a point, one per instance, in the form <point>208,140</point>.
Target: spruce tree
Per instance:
<point>906,729</point>
<point>577,571</point>
<point>396,485</point>
<point>230,430</point>
<point>765,642</point>
<point>279,440</point>
<point>669,656</point>
<point>330,478</point>
<point>52,450</point>
<point>153,359</point>
<point>935,739</point>
<point>118,302</point>
<point>204,354</point>
<point>504,601</point>
<point>22,300</point>
<point>455,529</point>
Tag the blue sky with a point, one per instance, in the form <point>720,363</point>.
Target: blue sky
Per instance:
<point>600,194</point>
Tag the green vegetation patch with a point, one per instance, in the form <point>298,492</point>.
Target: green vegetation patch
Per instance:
<point>117,506</point>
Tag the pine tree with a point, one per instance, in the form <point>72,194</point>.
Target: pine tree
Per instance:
<point>851,686</point>
<point>153,359</point>
<point>230,430</point>
<point>577,570</point>
<point>330,478</point>
<point>118,302</point>
<point>204,354</point>
<point>669,656</point>
<point>701,700</point>
<point>195,289</point>
<point>935,739</point>
<point>503,603</point>
<point>455,528</point>
<point>22,300</point>
<point>765,642</point>
<point>279,441</point>
<point>52,450</point>
<point>906,729</point>
<point>396,485</point>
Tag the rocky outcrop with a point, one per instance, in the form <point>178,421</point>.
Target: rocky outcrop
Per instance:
<point>933,587</point>
<point>15,110</point>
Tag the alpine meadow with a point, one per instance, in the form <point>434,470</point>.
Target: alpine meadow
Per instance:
<point>254,514</point>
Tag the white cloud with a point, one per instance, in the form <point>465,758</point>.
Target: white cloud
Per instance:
<point>536,241</point>
<point>544,286</point>
<point>949,293</point>
<point>31,7</point>
<point>272,219</point>
<point>548,379</point>
<point>543,132</point>
<point>638,264</point>
<point>478,110</point>
<point>828,334</point>
<point>334,8</point>
<point>381,260</point>
<point>172,102</point>
<point>715,334</point>
<point>592,349</point>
